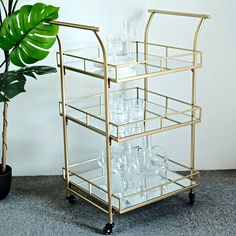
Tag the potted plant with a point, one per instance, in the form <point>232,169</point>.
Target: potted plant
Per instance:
<point>25,38</point>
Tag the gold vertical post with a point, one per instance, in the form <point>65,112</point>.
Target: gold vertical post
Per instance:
<point>63,107</point>
<point>194,75</point>
<point>167,54</point>
<point>107,128</point>
<point>137,51</point>
<point>146,35</point>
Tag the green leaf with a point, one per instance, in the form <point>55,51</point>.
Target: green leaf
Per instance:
<point>3,98</point>
<point>28,34</point>
<point>43,70</point>
<point>39,70</point>
<point>14,89</point>
<point>13,82</point>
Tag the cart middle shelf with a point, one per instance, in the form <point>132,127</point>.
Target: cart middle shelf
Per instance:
<point>160,113</point>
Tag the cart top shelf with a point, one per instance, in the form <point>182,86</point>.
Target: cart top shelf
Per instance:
<point>147,60</point>
<point>159,60</point>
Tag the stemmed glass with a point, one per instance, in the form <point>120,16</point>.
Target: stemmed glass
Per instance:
<point>160,162</point>
<point>114,46</point>
<point>132,35</point>
<point>128,34</point>
<point>102,164</point>
<point>144,157</point>
<point>122,168</point>
<point>134,171</point>
<point>110,46</point>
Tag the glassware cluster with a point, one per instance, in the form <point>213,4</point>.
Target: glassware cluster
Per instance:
<point>123,111</point>
<point>121,44</point>
<point>129,163</point>
<point>133,165</point>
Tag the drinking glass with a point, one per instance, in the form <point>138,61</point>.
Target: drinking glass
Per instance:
<point>119,113</point>
<point>160,160</point>
<point>136,109</point>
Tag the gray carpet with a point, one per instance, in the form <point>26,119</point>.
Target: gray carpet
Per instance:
<point>37,206</point>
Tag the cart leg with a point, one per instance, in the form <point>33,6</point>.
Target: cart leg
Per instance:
<point>108,227</point>
<point>107,230</point>
<point>193,135</point>
<point>64,119</point>
<point>71,199</point>
<point>191,197</point>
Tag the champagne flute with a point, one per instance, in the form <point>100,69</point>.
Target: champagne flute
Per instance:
<point>132,36</point>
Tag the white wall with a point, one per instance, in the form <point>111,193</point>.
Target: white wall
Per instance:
<point>35,131</point>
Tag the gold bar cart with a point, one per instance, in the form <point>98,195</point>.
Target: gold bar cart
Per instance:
<point>162,113</point>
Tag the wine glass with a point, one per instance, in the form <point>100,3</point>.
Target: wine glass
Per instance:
<point>143,162</point>
<point>159,164</point>
<point>132,35</point>
<point>128,35</point>
<point>114,46</point>
<point>160,160</point>
<point>117,43</point>
<point>122,168</point>
<point>102,162</point>
<point>110,46</point>
<point>103,166</point>
<point>125,37</point>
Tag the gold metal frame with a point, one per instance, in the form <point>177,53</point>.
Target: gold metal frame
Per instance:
<point>106,80</point>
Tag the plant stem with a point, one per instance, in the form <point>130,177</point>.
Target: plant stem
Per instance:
<point>11,9</point>
<point>14,6</point>
<point>3,63</point>
<point>10,5</point>
<point>4,7</point>
<point>0,18</point>
<point>5,124</point>
<point>4,138</point>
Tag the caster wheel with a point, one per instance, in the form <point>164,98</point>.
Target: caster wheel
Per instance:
<point>71,199</point>
<point>107,230</point>
<point>191,197</point>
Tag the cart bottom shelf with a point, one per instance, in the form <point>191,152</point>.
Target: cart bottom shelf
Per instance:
<point>142,190</point>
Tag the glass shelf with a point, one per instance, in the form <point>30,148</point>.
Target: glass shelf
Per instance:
<point>161,113</point>
<point>159,60</point>
<point>87,179</point>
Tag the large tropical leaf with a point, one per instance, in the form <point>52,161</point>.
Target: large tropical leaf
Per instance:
<point>28,34</point>
<point>12,83</point>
